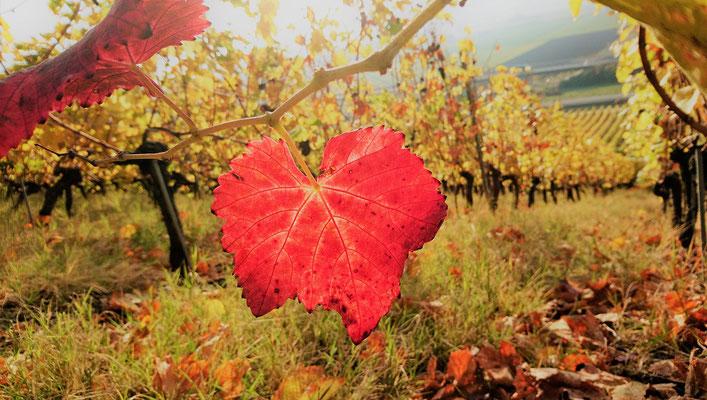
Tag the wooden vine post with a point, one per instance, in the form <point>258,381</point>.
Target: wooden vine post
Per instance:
<point>24,195</point>
<point>471,95</point>
<point>701,195</point>
<point>695,125</point>
<point>171,215</point>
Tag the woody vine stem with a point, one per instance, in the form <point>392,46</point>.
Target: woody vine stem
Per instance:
<point>653,79</point>
<point>381,60</point>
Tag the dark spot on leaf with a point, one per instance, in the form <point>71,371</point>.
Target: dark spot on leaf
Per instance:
<point>59,96</point>
<point>277,290</point>
<point>147,32</point>
<point>343,309</point>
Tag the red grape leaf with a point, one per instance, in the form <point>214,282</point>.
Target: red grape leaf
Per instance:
<point>342,247</point>
<point>132,32</point>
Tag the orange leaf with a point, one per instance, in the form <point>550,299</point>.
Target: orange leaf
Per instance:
<point>577,361</point>
<point>202,268</point>
<point>167,381</point>
<point>677,304</point>
<point>197,371</point>
<point>432,378</point>
<point>461,367</point>
<point>230,376</point>
<point>4,373</point>
<point>653,240</point>
<point>507,350</point>
<point>156,252</point>
<point>375,343</point>
<point>308,383</point>
<point>8,255</point>
<point>455,272</point>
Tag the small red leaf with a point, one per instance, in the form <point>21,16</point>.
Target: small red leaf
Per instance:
<point>132,32</point>
<point>343,246</point>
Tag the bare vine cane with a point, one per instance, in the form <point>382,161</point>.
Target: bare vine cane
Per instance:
<point>381,60</point>
<point>650,74</point>
<point>701,195</point>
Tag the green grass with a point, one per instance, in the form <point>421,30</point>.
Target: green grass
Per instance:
<point>60,338</point>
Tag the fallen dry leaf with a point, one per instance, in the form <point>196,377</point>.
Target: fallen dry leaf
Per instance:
<point>308,383</point>
<point>229,376</point>
<point>462,367</point>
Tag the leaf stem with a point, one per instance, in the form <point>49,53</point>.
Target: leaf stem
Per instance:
<point>157,91</point>
<point>277,126</point>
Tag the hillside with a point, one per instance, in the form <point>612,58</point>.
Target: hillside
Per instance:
<point>583,49</point>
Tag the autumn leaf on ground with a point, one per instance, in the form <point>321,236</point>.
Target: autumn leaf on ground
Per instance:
<point>174,379</point>
<point>342,246</point>
<point>132,32</point>
<point>376,345</point>
<point>461,367</point>
<point>230,376</point>
<point>128,231</point>
<point>308,383</point>
<point>4,373</point>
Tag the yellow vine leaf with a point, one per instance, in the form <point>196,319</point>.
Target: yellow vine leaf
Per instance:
<point>340,58</point>
<point>687,98</point>
<point>266,25</point>
<point>575,6</point>
<point>675,23</point>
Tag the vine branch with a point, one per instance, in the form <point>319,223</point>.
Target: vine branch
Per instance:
<point>653,79</point>
<point>380,60</point>
<point>84,135</point>
<point>70,153</point>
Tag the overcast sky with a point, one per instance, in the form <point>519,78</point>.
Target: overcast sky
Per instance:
<point>30,17</point>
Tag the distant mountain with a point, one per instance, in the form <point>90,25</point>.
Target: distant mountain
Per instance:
<point>525,35</point>
<point>575,49</point>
